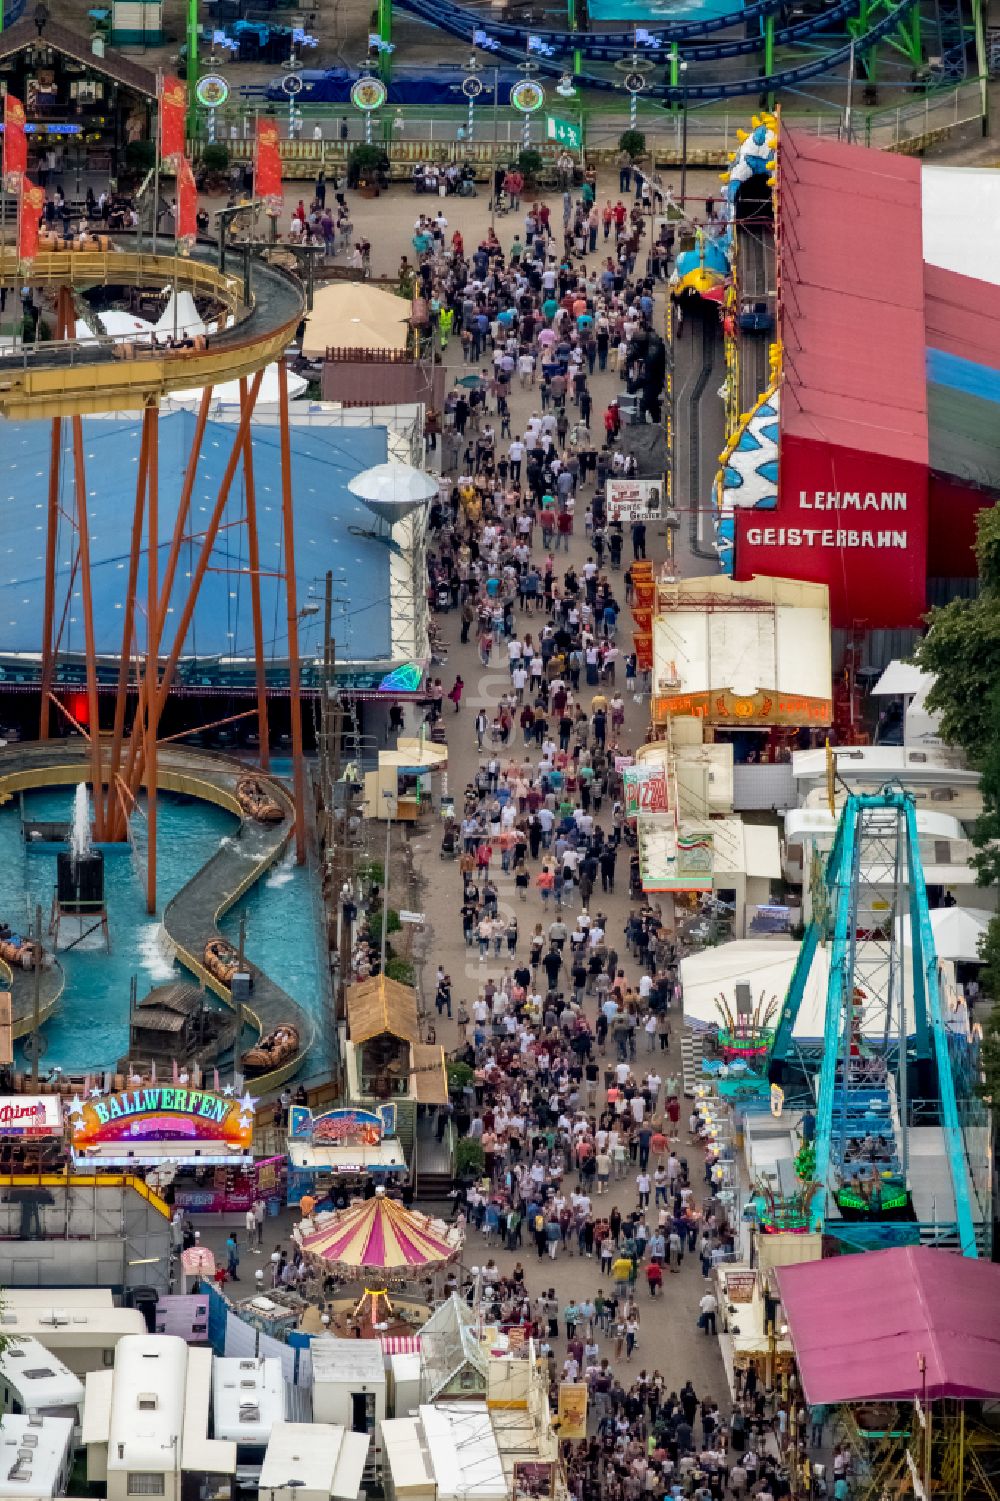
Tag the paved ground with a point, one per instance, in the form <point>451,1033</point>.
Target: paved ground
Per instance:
<point>669,1337</point>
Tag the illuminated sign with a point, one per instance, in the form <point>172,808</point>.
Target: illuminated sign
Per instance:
<point>30,1115</point>
<point>720,706</point>
<point>363,1128</point>
<point>195,1120</point>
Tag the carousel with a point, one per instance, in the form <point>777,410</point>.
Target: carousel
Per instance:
<point>382,1245</point>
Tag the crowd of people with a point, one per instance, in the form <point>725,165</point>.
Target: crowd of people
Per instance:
<point>563,1016</point>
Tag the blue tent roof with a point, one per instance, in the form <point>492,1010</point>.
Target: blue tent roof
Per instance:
<point>324,459</point>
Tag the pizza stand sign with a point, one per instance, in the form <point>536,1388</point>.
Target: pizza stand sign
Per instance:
<point>645,790</point>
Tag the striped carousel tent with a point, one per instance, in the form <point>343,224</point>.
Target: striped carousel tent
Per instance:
<point>381,1236</point>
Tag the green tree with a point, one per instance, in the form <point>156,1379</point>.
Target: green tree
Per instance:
<point>962,649</point>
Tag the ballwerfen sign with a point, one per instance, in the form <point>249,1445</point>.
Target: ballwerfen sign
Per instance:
<point>188,1123</point>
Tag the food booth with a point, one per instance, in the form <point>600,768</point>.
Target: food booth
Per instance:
<point>408,782</point>
<point>331,1154</point>
<point>31,1133</point>
<point>194,1146</point>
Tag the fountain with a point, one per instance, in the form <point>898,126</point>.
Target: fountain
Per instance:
<point>79,916</point>
<point>80,843</point>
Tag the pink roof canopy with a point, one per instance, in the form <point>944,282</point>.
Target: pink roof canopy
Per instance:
<point>860,1324</point>
<point>379,1234</point>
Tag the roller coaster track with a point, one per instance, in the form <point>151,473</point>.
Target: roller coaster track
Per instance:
<point>604,46</point>
<point>66,377</point>
<point>460,23</point>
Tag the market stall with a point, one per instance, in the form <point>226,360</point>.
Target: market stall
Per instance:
<point>331,1156</point>
<point>382,1245</point>
<point>193,1146</point>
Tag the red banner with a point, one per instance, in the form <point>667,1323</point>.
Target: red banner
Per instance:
<point>187,205</point>
<point>15,144</point>
<point>643,643</point>
<point>32,208</point>
<point>267,166</point>
<point>173,110</point>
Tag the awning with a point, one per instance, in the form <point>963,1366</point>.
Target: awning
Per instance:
<point>902,677</point>
<point>348,1157</point>
<point>400,1344</point>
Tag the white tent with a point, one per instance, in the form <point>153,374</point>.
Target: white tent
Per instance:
<point>353,315</point>
<point>961,219</point>
<point>957,931</point>
<point>902,678</point>
<point>188,319</point>
<point>228,395</point>
<point>118,324</point>
<point>765,965</point>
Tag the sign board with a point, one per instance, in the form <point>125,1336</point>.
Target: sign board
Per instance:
<point>563,132</point>
<point>30,1115</point>
<point>740,1286</point>
<point>211,91</point>
<point>853,520</point>
<point>368,93</point>
<point>527,96</point>
<point>695,855</point>
<point>533,1478</point>
<point>634,499</point>
<point>412,917</point>
<point>721,706</point>
<point>572,1410</point>
<point>192,1124</point>
<point>337,1127</point>
<point>645,790</point>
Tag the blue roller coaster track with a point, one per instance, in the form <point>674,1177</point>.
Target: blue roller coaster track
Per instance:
<point>461,23</point>
<point>884,1034</point>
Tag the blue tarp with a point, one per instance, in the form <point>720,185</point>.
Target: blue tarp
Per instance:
<point>324,459</point>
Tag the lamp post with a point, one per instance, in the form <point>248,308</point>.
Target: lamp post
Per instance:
<point>682,69</point>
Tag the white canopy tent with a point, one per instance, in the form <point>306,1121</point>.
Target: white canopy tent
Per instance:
<point>957,931</point>
<point>228,395</point>
<point>961,220</point>
<point>188,318</point>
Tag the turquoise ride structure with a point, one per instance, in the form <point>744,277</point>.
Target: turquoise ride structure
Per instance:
<point>894,1160</point>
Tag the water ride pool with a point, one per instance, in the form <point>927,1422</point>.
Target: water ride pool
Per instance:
<point>89,1028</point>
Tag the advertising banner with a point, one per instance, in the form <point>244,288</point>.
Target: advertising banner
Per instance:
<point>634,499</point>
<point>645,790</point>
<point>267,165</point>
<point>30,1115</point>
<point>572,1410</point>
<point>32,207</point>
<point>15,144</point>
<point>187,205</point>
<point>173,112</point>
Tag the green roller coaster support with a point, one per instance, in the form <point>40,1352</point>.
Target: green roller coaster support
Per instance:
<point>385,35</point>
<point>675,74</point>
<point>571,25</point>
<point>192,64</point>
<point>769,56</point>
<point>982,71</point>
